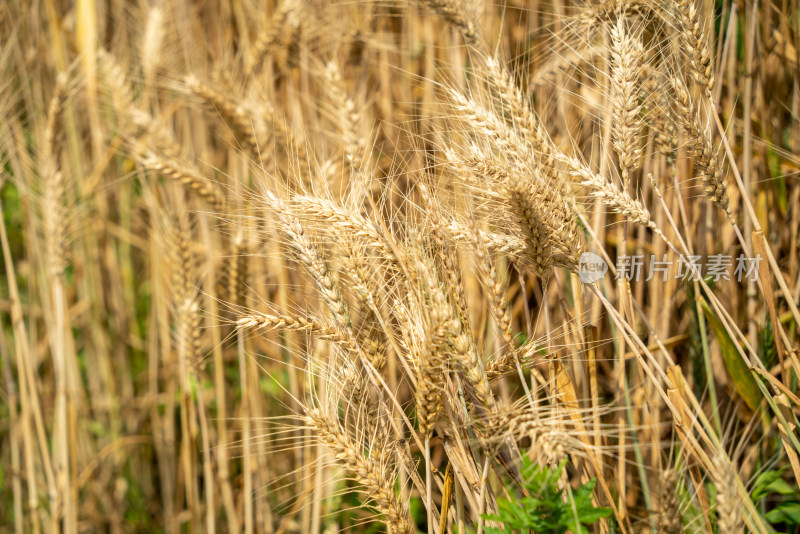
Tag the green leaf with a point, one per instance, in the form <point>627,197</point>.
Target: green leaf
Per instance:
<point>545,510</point>
<point>576,528</point>
<point>763,481</point>
<point>781,487</point>
<point>593,515</point>
<point>742,379</point>
<point>771,482</point>
<point>788,513</point>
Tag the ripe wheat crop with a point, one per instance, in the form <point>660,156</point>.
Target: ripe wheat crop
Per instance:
<point>434,266</point>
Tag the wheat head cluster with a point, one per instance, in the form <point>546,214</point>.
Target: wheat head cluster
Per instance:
<point>306,266</point>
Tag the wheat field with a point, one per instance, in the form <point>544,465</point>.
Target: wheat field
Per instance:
<point>304,266</point>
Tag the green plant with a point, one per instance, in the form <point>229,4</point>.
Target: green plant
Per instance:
<point>547,509</point>
<point>771,486</point>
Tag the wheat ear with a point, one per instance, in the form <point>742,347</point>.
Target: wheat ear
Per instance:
<point>669,510</point>
<point>488,274</point>
<point>489,125</point>
<point>448,259</point>
<point>370,333</point>
<point>429,360</point>
<point>190,178</point>
<point>626,60</point>
<point>150,51</point>
<point>54,209</point>
<point>245,124</point>
<point>345,220</point>
<point>699,146</point>
<point>729,510</point>
<point>548,225</point>
<point>378,487</point>
<point>693,39</point>
<point>525,122</point>
<point>282,28</point>
<point>452,13</point>
<point>504,244</point>
<point>184,292</point>
<point>309,257</point>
